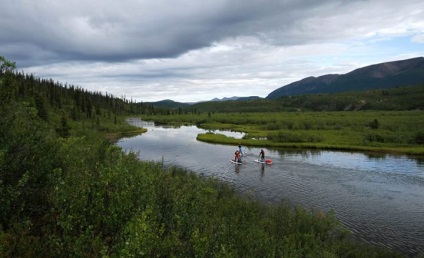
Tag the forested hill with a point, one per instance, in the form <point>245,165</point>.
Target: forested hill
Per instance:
<point>399,98</point>
<point>50,97</point>
<point>378,76</point>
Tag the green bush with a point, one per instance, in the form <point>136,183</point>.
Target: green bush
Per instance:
<point>294,137</point>
<point>385,137</point>
<point>374,124</point>
<point>419,138</point>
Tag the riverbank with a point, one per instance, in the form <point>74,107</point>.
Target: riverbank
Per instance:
<point>395,132</point>
<point>128,132</point>
<point>309,178</point>
<point>223,139</point>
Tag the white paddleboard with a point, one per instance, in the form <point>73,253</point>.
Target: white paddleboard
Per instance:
<point>232,161</point>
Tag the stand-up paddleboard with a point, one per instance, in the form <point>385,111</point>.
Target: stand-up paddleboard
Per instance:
<point>235,162</point>
<point>267,161</point>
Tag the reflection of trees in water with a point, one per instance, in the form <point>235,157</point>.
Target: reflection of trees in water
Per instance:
<point>375,155</point>
<point>420,161</point>
<point>140,123</point>
<point>382,156</point>
<point>302,152</point>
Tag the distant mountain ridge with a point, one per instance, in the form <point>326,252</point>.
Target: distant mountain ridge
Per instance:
<point>236,98</point>
<point>167,103</point>
<point>224,99</point>
<point>383,75</point>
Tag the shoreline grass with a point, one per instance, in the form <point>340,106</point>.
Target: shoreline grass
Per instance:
<point>226,140</point>
<point>396,132</point>
<point>114,137</point>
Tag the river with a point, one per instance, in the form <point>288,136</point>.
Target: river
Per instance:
<point>379,198</point>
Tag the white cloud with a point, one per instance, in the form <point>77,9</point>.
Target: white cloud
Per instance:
<point>418,38</point>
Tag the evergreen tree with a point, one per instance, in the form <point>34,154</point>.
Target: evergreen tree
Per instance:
<point>7,83</point>
<point>41,108</point>
<point>64,127</point>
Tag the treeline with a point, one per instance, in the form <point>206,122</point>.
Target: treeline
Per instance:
<point>394,99</point>
<point>78,195</point>
<point>72,99</point>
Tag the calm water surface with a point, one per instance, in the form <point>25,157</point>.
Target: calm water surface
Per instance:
<point>379,198</point>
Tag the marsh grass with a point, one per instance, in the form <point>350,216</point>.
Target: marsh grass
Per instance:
<point>382,131</point>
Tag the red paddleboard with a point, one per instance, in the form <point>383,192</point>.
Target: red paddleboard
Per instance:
<point>267,161</point>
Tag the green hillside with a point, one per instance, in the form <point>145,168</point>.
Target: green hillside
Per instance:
<point>399,98</point>
<point>377,76</point>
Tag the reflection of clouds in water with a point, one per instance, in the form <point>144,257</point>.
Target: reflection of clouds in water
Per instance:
<point>360,161</point>
<point>186,130</point>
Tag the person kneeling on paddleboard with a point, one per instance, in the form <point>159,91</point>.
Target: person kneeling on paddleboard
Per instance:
<point>262,155</point>
<point>237,157</point>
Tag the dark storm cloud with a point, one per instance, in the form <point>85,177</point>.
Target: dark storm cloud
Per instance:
<point>111,31</point>
<point>191,50</point>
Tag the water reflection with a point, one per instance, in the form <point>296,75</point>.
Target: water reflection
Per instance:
<point>378,197</point>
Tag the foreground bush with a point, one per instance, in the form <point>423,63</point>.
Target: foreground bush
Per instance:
<point>106,203</point>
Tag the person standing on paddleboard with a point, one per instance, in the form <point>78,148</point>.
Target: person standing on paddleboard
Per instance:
<point>262,155</point>
<point>240,150</point>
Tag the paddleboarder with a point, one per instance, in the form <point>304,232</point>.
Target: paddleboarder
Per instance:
<point>240,150</point>
<point>262,155</point>
<point>237,156</point>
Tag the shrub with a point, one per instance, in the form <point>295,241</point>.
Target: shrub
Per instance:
<point>374,124</point>
<point>419,138</point>
<point>384,137</point>
<point>284,136</point>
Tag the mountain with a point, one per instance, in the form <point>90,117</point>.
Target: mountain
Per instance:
<point>167,103</point>
<point>378,76</point>
<point>248,98</point>
<point>236,98</point>
<point>224,99</point>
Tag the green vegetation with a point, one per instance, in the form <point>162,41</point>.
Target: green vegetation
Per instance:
<point>67,191</point>
<point>394,99</point>
<point>380,131</point>
<point>386,120</point>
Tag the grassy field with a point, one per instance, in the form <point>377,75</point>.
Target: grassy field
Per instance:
<point>380,131</point>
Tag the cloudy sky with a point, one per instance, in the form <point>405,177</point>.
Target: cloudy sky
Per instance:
<point>189,50</point>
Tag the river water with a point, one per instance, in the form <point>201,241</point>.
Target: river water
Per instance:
<point>379,198</point>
